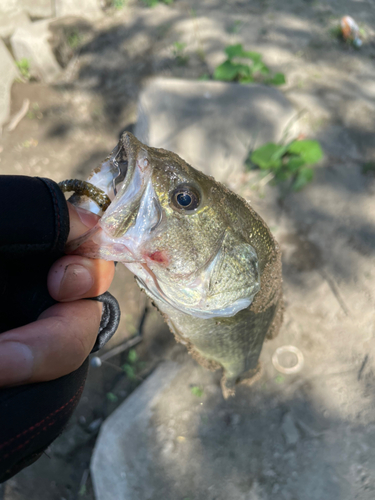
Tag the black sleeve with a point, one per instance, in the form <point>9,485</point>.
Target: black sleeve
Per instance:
<point>34,226</point>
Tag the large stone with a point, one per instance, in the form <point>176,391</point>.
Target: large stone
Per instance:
<point>8,73</point>
<point>83,8</point>
<point>35,8</point>
<point>10,21</point>
<point>212,125</point>
<point>32,43</point>
<point>119,446</point>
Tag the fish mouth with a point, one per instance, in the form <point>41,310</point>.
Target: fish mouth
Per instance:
<point>134,211</point>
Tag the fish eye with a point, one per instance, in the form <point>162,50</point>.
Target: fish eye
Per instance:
<point>185,198</point>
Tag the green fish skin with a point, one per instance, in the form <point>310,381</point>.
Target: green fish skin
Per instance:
<point>202,254</point>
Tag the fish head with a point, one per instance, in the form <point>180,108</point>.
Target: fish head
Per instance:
<point>179,231</point>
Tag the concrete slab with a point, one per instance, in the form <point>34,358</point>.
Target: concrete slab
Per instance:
<point>32,42</point>
<point>278,439</point>
<point>8,73</point>
<point>10,21</point>
<point>212,125</point>
<point>83,8</point>
<point>122,431</point>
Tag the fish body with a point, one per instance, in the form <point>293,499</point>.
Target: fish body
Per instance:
<point>201,253</point>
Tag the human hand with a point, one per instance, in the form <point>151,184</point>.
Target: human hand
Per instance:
<point>64,334</point>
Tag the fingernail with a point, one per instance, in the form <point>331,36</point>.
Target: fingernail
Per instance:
<point>87,218</point>
<point>76,281</point>
<point>16,363</point>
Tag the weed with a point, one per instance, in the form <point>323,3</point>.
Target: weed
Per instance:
<point>34,112</point>
<point>197,391</point>
<point>112,398</point>
<point>82,490</point>
<point>129,370</point>
<point>153,3</point>
<point>179,53</point>
<point>118,4</point>
<point>279,379</point>
<point>232,70</point>
<point>368,168</point>
<point>74,39</point>
<point>236,27</point>
<point>132,356</point>
<point>287,162</point>
<point>132,365</point>
<point>30,143</point>
<point>24,66</point>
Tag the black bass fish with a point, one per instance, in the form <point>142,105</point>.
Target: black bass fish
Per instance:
<point>201,253</point>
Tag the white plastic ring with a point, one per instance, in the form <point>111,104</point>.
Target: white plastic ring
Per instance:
<point>288,348</point>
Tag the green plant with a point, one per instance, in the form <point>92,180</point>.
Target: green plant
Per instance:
<point>132,365</point>
<point>368,168</point>
<point>34,112</point>
<point>74,39</point>
<point>118,4</point>
<point>236,27</point>
<point>82,491</point>
<point>153,3</point>
<point>232,70</point>
<point>197,391</point>
<point>24,66</point>
<point>288,161</point>
<point>179,53</point>
<point>112,398</point>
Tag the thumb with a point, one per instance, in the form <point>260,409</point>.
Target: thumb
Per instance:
<point>81,220</point>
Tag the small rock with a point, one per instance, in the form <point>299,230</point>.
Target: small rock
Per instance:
<point>83,8</point>
<point>40,9</point>
<point>8,73</point>
<point>236,419</point>
<point>207,123</point>
<point>82,420</point>
<point>289,430</point>
<point>10,21</point>
<point>95,425</point>
<point>31,42</point>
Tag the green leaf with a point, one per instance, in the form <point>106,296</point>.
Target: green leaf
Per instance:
<point>226,71</point>
<point>304,176</point>
<point>268,156</point>
<point>129,370</point>
<point>234,51</point>
<point>254,56</point>
<point>294,163</point>
<point>246,79</point>
<point>132,356</point>
<point>260,67</point>
<point>112,397</point>
<point>277,79</point>
<point>283,174</point>
<point>265,70</point>
<point>197,391</point>
<point>204,77</point>
<point>310,151</point>
<point>243,70</point>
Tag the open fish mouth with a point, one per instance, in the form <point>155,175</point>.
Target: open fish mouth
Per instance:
<point>125,176</point>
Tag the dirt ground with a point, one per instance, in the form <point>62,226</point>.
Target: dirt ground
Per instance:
<point>73,124</point>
